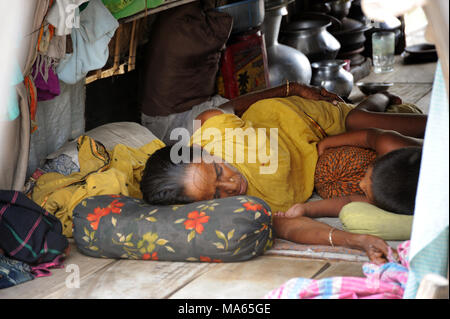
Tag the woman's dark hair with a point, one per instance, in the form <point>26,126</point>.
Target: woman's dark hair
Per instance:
<point>162,181</point>
<point>394,180</point>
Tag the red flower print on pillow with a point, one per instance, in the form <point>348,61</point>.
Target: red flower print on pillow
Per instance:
<point>252,206</point>
<point>195,221</point>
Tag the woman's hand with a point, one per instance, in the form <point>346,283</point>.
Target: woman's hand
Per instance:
<point>376,249</point>
<point>318,94</point>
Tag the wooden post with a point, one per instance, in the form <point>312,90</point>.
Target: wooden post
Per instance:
<point>433,286</point>
<point>117,49</point>
<point>133,46</point>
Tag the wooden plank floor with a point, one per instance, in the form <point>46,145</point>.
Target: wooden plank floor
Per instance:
<point>123,279</point>
<point>107,278</point>
<point>251,279</point>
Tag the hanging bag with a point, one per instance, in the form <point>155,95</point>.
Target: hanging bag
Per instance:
<point>27,232</point>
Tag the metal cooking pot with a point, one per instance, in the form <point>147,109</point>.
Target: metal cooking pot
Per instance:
<point>311,38</point>
<point>285,63</point>
<point>339,8</point>
<point>330,74</point>
<point>314,15</point>
<point>351,32</point>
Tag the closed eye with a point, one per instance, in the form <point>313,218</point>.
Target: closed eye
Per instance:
<point>219,171</point>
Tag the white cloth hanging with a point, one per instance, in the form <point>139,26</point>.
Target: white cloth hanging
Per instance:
<point>64,15</point>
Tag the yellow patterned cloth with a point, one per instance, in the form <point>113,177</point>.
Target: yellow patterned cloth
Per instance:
<point>288,177</point>
<point>102,172</point>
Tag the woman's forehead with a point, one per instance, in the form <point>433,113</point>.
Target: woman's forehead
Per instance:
<point>199,180</point>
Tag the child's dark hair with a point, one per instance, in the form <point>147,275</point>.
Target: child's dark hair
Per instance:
<point>394,180</point>
<point>162,179</point>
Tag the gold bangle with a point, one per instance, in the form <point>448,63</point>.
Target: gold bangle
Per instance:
<point>287,87</point>
<point>330,238</point>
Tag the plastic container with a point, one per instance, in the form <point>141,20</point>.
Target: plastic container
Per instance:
<point>246,14</point>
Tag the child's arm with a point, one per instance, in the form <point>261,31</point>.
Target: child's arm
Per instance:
<point>381,141</point>
<point>321,208</point>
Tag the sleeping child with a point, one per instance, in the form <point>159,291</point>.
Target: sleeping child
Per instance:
<point>377,166</point>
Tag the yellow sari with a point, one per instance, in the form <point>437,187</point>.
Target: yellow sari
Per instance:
<point>288,176</point>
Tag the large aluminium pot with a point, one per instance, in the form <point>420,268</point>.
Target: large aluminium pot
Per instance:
<point>311,37</point>
<point>331,75</point>
<point>285,63</point>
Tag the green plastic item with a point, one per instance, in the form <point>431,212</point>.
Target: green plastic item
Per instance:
<point>364,218</point>
<point>125,8</point>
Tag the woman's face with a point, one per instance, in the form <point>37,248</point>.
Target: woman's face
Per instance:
<point>217,179</point>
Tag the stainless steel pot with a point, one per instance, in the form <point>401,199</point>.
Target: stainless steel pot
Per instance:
<point>285,63</point>
<point>311,38</point>
<point>331,75</point>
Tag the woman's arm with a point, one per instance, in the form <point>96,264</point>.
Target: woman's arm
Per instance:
<point>381,141</point>
<point>243,102</point>
<point>304,230</point>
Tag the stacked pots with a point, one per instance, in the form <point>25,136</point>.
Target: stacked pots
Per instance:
<point>311,38</point>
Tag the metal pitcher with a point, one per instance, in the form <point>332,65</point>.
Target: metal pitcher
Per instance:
<point>330,74</point>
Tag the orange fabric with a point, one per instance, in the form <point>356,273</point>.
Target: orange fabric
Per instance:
<point>32,94</point>
<point>339,171</point>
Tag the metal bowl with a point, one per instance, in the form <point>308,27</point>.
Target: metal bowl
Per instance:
<point>246,14</point>
<point>369,88</point>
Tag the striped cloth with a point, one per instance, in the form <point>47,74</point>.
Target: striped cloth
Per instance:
<point>387,281</point>
<point>28,233</point>
<point>429,237</point>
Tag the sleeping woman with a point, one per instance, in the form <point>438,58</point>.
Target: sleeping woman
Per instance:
<point>283,126</point>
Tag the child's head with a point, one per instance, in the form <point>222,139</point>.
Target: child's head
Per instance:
<point>391,181</point>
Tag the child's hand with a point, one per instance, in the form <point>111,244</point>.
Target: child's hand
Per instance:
<point>296,210</point>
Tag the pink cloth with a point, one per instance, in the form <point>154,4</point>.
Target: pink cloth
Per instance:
<point>385,281</point>
<point>43,270</point>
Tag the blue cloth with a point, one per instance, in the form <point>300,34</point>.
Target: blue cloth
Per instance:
<point>429,237</point>
<point>13,272</point>
<point>90,43</point>
<point>12,110</point>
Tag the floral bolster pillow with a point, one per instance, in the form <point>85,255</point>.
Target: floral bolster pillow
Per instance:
<point>223,230</point>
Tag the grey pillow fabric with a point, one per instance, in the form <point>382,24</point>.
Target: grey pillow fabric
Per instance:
<point>222,230</point>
